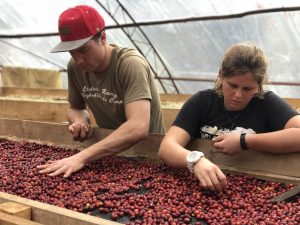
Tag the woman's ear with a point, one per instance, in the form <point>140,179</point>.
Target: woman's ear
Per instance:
<point>219,77</point>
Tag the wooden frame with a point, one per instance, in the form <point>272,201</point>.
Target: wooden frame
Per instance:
<point>277,167</point>
<point>283,167</point>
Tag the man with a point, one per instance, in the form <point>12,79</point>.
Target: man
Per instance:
<point>115,83</point>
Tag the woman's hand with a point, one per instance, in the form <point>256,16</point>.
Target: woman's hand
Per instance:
<point>210,175</point>
<point>228,143</point>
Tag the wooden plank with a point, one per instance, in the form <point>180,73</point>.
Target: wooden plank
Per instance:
<point>174,97</point>
<point>16,209</point>
<point>276,164</point>
<point>39,131</point>
<point>6,219</point>
<point>262,175</point>
<point>287,195</point>
<point>53,109</point>
<point>49,215</point>
<point>19,91</point>
<point>169,116</point>
<point>285,164</point>
<point>33,110</point>
<point>294,102</point>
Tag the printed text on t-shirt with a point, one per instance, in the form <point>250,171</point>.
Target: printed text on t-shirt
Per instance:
<point>103,94</point>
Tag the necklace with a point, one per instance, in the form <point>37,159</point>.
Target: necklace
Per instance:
<point>232,120</point>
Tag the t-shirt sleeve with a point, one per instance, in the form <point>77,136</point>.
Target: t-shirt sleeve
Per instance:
<point>74,96</point>
<point>134,79</point>
<point>277,111</point>
<point>190,116</point>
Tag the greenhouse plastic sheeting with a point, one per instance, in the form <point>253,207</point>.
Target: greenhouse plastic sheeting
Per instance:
<point>188,48</point>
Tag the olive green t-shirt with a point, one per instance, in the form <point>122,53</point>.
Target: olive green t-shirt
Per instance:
<point>128,78</point>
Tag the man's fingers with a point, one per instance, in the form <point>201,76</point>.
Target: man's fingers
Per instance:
<point>71,129</point>
<point>48,168</point>
<point>68,173</point>
<point>47,165</point>
<point>80,131</point>
<point>90,131</point>
<point>83,131</point>
<point>42,166</point>
<point>86,128</point>
<point>57,171</point>
<point>74,129</point>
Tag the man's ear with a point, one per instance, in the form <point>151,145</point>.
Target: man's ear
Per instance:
<point>103,36</point>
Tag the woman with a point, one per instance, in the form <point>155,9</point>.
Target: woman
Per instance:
<point>237,115</point>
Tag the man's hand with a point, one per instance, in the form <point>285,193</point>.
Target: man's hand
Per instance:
<point>65,166</point>
<point>80,131</point>
<point>227,143</point>
<point>210,175</point>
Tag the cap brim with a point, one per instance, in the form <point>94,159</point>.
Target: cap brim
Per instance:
<point>66,46</point>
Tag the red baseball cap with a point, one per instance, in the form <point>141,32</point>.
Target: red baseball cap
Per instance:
<point>76,26</point>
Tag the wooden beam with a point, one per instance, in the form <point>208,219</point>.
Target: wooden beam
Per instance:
<point>16,209</point>
<point>282,164</point>
<point>17,103</point>
<point>261,162</point>
<point>287,195</point>
<point>6,219</point>
<point>19,91</point>
<point>49,215</point>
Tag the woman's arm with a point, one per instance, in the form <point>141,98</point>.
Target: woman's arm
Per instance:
<point>281,141</point>
<point>174,154</point>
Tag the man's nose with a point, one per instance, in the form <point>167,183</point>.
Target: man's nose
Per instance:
<point>78,59</point>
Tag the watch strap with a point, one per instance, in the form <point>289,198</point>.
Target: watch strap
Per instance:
<point>243,143</point>
<point>190,165</point>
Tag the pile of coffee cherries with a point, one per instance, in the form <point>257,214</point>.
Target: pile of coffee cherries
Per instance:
<point>135,191</point>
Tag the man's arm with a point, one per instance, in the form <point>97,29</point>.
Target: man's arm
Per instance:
<point>129,133</point>
<point>135,129</point>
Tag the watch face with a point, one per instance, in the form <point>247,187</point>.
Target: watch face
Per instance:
<point>193,156</point>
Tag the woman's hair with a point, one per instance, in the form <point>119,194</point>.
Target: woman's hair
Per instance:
<point>240,59</point>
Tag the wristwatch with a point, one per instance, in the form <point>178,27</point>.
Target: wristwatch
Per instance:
<point>192,158</point>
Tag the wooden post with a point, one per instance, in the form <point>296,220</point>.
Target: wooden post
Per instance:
<point>16,209</point>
